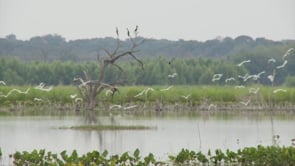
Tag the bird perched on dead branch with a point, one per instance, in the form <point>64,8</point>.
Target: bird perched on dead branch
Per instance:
<point>128,32</point>
<point>117,31</point>
<point>89,88</point>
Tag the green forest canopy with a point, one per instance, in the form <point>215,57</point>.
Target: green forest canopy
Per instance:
<point>53,60</point>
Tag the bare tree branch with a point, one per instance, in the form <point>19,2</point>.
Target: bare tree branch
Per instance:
<point>90,88</point>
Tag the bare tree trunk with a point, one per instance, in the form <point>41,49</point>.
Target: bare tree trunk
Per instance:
<point>89,88</point>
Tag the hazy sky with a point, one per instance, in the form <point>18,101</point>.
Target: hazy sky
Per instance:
<point>160,19</point>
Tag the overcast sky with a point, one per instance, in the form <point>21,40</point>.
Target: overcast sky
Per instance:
<point>161,19</point>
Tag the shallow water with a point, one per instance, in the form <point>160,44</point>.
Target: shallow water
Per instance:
<point>172,133</point>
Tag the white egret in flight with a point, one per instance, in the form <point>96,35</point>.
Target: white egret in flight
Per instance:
<point>243,62</point>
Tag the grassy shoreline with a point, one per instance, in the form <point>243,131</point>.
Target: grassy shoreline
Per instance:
<point>200,97</point>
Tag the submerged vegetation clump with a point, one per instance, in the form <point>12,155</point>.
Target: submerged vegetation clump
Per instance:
<point>260,155</point>
<point>109,127</point>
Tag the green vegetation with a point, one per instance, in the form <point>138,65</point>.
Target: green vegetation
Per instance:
<point>52,60</point>
<point>109,127</point>
<point>260,155</point>
<point>190,71</point>
<point>55,47</point>
<point>197,95</point>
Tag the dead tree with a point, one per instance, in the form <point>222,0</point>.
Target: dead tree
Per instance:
<point>90,88</point>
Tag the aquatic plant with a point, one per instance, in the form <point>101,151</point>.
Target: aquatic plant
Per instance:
<point>260,155</point>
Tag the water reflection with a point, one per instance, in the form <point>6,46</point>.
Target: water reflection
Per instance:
<point>90,117</point>
<point>174,132</point>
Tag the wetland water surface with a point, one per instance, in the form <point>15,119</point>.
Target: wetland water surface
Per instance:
<point>172,133</point>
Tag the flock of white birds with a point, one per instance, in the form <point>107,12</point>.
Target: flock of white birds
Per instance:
<point>216,77</point>
<point>246,77</point>
<point>41,87</point>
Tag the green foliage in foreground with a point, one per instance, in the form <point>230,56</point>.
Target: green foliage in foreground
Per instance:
<point>260,155</point>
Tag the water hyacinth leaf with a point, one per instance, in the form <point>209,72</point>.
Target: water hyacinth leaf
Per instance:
<point>209,152</point>
<point>105,153</point>
<point>74,157</point>
<point>64,155</point>
<point>136,154</point>
<point>172,158</point>
<point>42,152</point>
<point>269,155</point>
<point>149,159</point>
<point>201,157</point>
<point>124,157</point>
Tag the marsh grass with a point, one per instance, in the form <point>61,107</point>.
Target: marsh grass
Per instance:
<point>198,95</point>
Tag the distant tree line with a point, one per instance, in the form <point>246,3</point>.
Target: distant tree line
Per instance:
<point>53,60</point>
<point>49,48</point>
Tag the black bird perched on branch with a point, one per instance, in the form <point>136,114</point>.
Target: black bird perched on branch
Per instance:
<point>117,31</point>
<point>128,33</point>
<point>136,29</point>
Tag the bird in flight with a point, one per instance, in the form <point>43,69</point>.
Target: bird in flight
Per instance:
<point>41,87</point>
<point>283,65</point>
<point>239,86</point>
<point>287,53</point>
<point>186,97</point>
<point>243,62</point>
<point>279,90</point>
<point>2,82</point>
<point>216,77</point>
<point>15,90</point>
<point>73,96</point>
<point>145,91</point>
<point>271,60</point>
<point>245,103</point>
<point>229,79</point>
<point>172,75</point>
<point>166,89</point>
<point>253,90</point>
